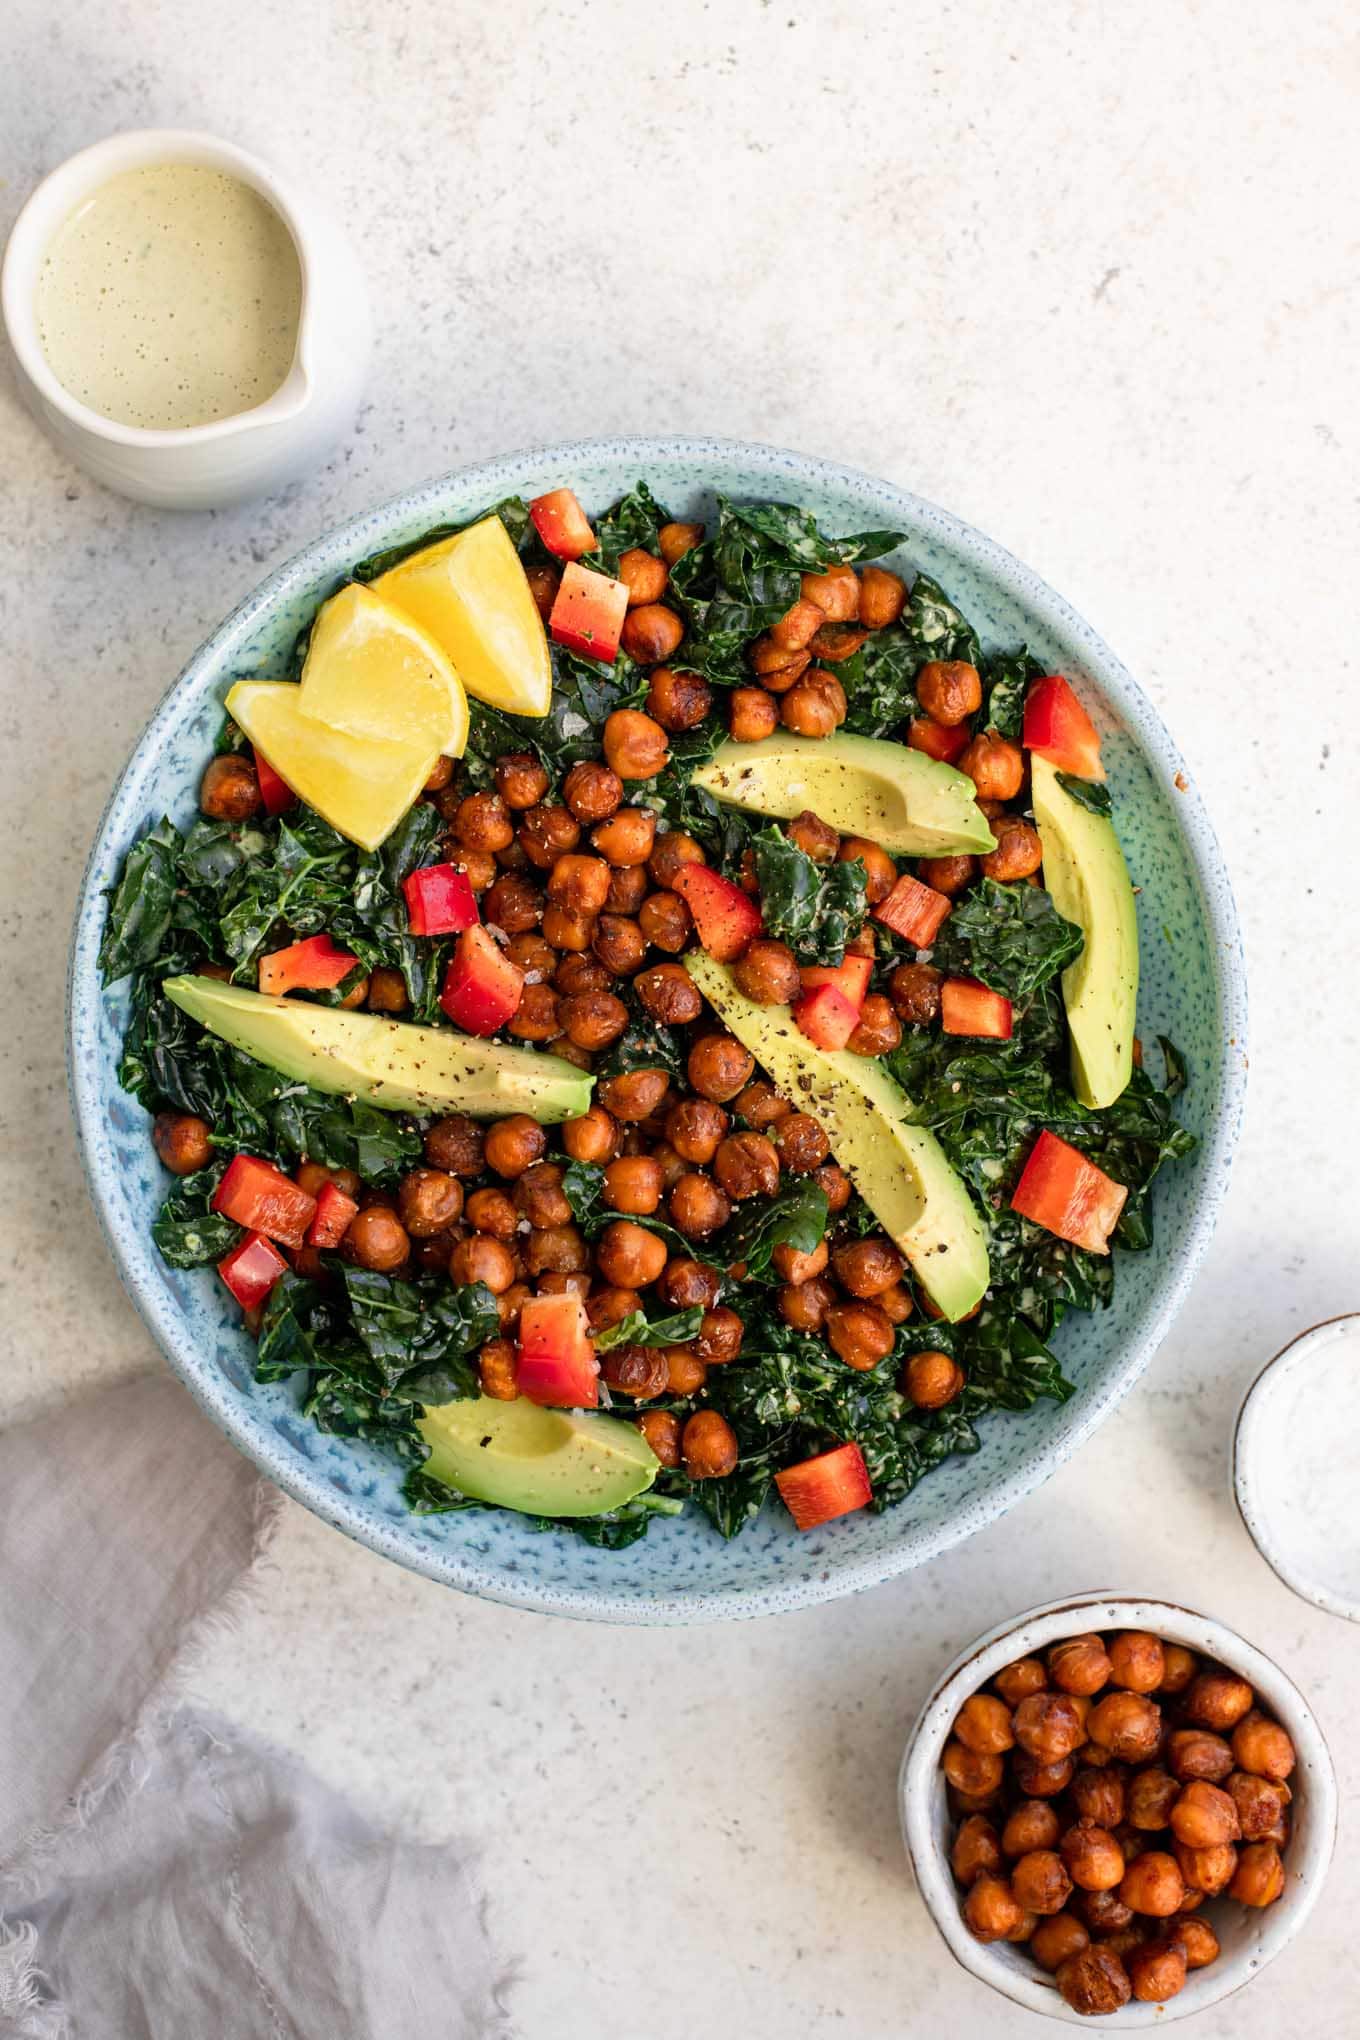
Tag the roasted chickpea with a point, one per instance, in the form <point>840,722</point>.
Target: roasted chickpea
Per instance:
<point>1152,1884</point>
<point>669,994</point>
<point>429,1201</point>
<point>836,593</point>
<point>1093,1857</point>
<point>1041,1781</point>
<point>513,1143</point>
<point>539,1196</point>
<point>814,706</point>
<point>814,837</point>
<point>1040,1881</point>
<point>355,997</point>
<point>882,597</point>
<point>865,1268</point>
<point>1079,1664</point>
<point>1151,1796</point>
<point>1015,1682</point>
<point>536,1018</point>
<point>377,1240</point>
<point>1137,1661</point>
<point>651,634</point>
<point>1157,1971</point>
<point>633,1184</point>
<point>895,1301</point>
<point>483,822</point>
<point>1198,1939</point>
<point>543,586</point>
<point>697,1206</point>
<point>634,1094</point>
<point>802,1144</point>
<point>477,866</point>
<point>592,792</point>
<point>719,1067</point>
<point>995,766</point>
<point>948,875</point>
<point>1104,1912</point>
<point>709,1446</point>
<point>520,781</point>
<point>1178,1667</point>
<point>594,1137</point>
<point>719,1337</point>
<point>666,922</point>
<point>991,1910</point>
<point>548,832</point>
<point>768,973</point>
<point>879,1030</point>
<point>1055,1939</point>
<point>628,1256</point>
<point>386,991</point>
<point>1198,1753</point>
<point>975,1851</point>
<point>837,641</point>
<point>568,929</point>
<point>578,883</point>
<point>313,1178</point>
<point>1093,1981</point>
<point>593,1019</point>
<point>661,1429</point>
<point>1018,853</point>
<point>914,989</point>
<point>627,890</point>
<point>751,715</point>
<point>673,541</point>
<point>637,1371</point>
<point>837,1189</point>
<point>1260,1804</point>
<point>497,1370</point>
<point>1204,1815</point>
<point>1033,1824</point>
<point>747,1165</point>
<point>229,790</point>
<point>456,1144</point>
<point>932,1379</point>
<point>577,973</point>
<point>607,1307</point>
<point>183,1142</point>
<point>1048,1726</point>
<point>678,701</point>
<point>949,690</point>
<point>479,1258</point>
<point>643,575</point>
<point>685,1283</point>
<point>798,626</point>
<point>1128,1725</point>
<point>880,872</point>
<point>634,745</point>
<point>975,1773</point>
<point>1262,1746</point>
<point>775,666</point>
<point>1098,1796</point>
<point>627,838</point>
<point>695,1127</point>
<point>860,1333</point>
<point>556,1250</point>
<point>441,772</point>
<point>984,1723</point>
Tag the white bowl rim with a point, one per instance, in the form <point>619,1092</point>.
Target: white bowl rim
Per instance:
<point>1164,761</point>
<point>1307,1859</point>
<point>1250,1432</point>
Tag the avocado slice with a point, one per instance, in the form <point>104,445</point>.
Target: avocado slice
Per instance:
<point>913,805</point>
<point>1089,883</point>
<point>545,1462</point>
<point>899,1169</point>
<point>388,1063</point>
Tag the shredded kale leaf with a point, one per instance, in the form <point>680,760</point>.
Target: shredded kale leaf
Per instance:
<point>1088,793</point>
<point>1006,678</point>
<point>637,1329</point>
<point>794,1217</point>
<point>815,908</point>
<point>1012,937</point>
<point>187,1232</point>
<point>634,520</point>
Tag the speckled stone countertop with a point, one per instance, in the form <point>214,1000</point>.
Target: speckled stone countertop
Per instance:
<point>1083,274</point>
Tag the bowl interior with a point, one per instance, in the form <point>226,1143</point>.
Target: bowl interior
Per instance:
<point>1191,991</point>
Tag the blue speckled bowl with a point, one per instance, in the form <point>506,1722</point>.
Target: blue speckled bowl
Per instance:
<point>1193,990</point>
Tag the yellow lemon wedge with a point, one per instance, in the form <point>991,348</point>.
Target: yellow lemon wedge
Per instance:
<point>471,594</point>
<point>372,672</point>
<point>362,785</point>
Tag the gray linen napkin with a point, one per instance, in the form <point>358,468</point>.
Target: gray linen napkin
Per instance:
<point>162,1876</point>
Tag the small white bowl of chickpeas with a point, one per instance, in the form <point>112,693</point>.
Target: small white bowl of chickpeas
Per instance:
<point>1117,1809</point>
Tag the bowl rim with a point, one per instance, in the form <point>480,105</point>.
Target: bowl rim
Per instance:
<point>1250,1431</point>
<point>832,1576</point>
<point>919,1784</point>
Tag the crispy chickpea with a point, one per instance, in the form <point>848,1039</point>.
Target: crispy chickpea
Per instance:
<point>1048,1726</point>
<point>497,1370</point>
<point>556,1250</point>
<point>975,1773</point>
<point>768,973</point>
<point>567,929</point>
<point>1206,1870</point>
<point>633,1184</point>
<point>949,690</point>
<point>429,1201</point>
<point>661,1429</point>
<point>377,1240</point>
<point>1015,1682</point>
<point>386,991</point>
<point>578,883</point>
<point>456,1144</point>
<point>441,772</point>
<point>1093,1857</point>
<point>802,1144</point>
<point>355,997</point>
<point>719,1337</point>
<point>751,715</point>
<point>837,641</point>
<point>1055,1940</point>
<point>1040,1881</point>
<point>634,745</point>
<point>914,989</point>
<point>513,1143</point>
<point>477,866</point>
<point>1198,1753</point>
<point>1033,1824</point>
<point>229,790</point>
<point>1039,1780</point>
<point>628,1256</point>
<point>1104,1912</point>
<point>1178,1667</point>
<point>932,1379</point>
<point>814,706</point>
<point>577,973</point>
<point>593,1019</point>
<point>678,701</point>
<point>1079,1664</point>
<point>865,1268</point>
<point>592,792</point>
<point>666,922</point>
<point>536,1018</point>
<point>984,1723</point>
<point>1204,1815</point>
<point>879,1030</point>
<point>1128,1725</point>
<point>835,1186</point>
<point>313,1178</point>
<point>948,875</point>
<point>669,994</point>
<point>546,833</point>
<point>860,1334</point>
<point>975,1851</point>
<point>636,1371</point>
<point>1152,1794</point>
<point>1262,1746</point>
<point>479,1258</point>
<point>709,1446</point>
<point>798,626</point>
<point>607,1307</point>
<point>804,1305</point>
<point>651,634</point>
<point>531,954</point>
<point>747,1165</point>
<point>627,890</point>
<point>1260,1804</point>
<point>671,851</point>
<point>1137,1661</point>
<point>643,575</point>
<point>836,593</point>
<point>1098,1795</point>
<point>775,666</point>
<point>564,1282</point>
<point>594,1137</point>
<point>538,1196</point>
<point>1093,1981</point>
<point>719,1067</point>
<point>814,837</point>
<point>634,1095</point>
<point>1153,1885</point>
<point>1018,853</point>
<point>991,1910</point>
<point>1157,1971</point>
<point>882,597</point>
<point>697,1206</point>
<point>1198,1939</point>
<point>879,870</point>
<point>895,1302</point>
<point>995,766</point>
<point>695,1127</point>
<point>183,1142</point>
<point>674,540</point>
<point>521,782</point>
<point>686,1282</point>
<point>627,838</point>
<point>483,822</point>
<point>543,585</point>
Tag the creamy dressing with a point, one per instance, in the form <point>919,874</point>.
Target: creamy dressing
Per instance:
<point>171,297</point>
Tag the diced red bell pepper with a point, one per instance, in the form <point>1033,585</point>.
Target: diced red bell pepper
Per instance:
<point>440,900</point>
<point>315,965</point>
<point>1059,729</point>
<point>555,1360</point>
<point>966,1007</point>
<point>726,919</point>
<point>587,613</point>
<point>850,979</point>
<point>334,1210</point>
<point>275,791</point>
<point>835,1483</point>
<point>562,524</point>
<point>261,1198</point>
<point>826,1017</point>
<point>914,911</point>
<point>482,987</point>
<point>947,745</point>
<point>1068,1195</point>
<point>251,1269</point>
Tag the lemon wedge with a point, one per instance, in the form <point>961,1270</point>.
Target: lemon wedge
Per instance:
<point>372,672</point>
<point>471,595</point>
<point>362,785</point>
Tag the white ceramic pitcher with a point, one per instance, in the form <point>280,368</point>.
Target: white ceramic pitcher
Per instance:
<point>199,467</point>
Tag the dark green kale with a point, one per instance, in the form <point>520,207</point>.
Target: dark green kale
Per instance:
<point>794,1217</point>
<point>186,1230</point>
<point>1012,937</point>
<point>634,520</point>
<point>880,678</point>
<point>1006,678</point>
<point>1088,793</point>
<point>815,908</point>
<point>637,1329</point>
<point>513,513</point>
<point>142,903</point>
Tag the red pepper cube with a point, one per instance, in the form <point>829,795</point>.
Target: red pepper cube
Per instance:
<point>251,1269</point>
<point>850,978</point>
<point>1059,729</point>
<point>440,900</point>
<point>835,1483</point>
<point>945,745</point>
<point>1065,1193</point>
<point>587,615</point>
<point>966,1007</point>
<point>914,911</point>
<point>260,1197</point>
<point>562,524</point>
<point>482,988</point>
<point>826,1017</point>
<point>275,792</point>
<point>555,1363</point>
<point>315,965</point>
<point>726,919</point>
<point>334,1210</point>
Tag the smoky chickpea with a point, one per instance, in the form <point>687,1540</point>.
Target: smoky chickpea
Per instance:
<point>556,1250</point>
<point>1199,1940</point>
<point>521,781</point>
<point>497,1370</point>
<point>834,1185</point>
<point>629,1256</point>
<point>1093,1858</point>
<point>480,1258</point>
<point>677,700</point>
<point>666,922</point>
<point>633,1184</point>
<point>183,1141</point>
<point>975,1773</point>
<point>1152,1793</point>
<point>627,890</point>
<point>539,1195</point>
<point>1099,1796</point>
<point>719,1336</point>
<point>802,1144</point>
<point>864,1268</point>
<point>594,1137</point>
<point>698,1206</point>
<point>708,1446</point>
<point>718,1067</point>
<point>543,586</point>
<point>1258,1879</point>
<point>686,1282</point>
<point>440,774</point>
<point>975,1851</point>
<point>1093,1981</point>
<point>747,1165</point>
<point>1198,1753</point>
<point>932,1379</point>
<point>661,1429</point>
<point>948,875</point>
<point>1057,1938</point>
<point>1015,1682</point>
<point>768,973</point>
<point>377,1240</point>
<point>1079,1664</point>
<point>880,873</point>
<point>537,1017</point>
<point>483,822</point>
<point>1040,1881</point>
<point>1018,853</point>
<point>567,928</point>
<point>594,1019</point>
<point>547,832</point>
<point>895,1302</point>
<point>803,1305</point>
<point>1152,1884</point>
<point>229,790</point>
<point>634,1095</point>
<point>695,1127</point>
<point>386,990</point>
<point>814,706</point>
<point>1038,1780</point>
<point>879,1030</point>
<point>578,972</point>
<point>513,1143</point>
<point>1137,1661</point>
<point>882,597</point>
<point>651,634</point>
<point>1128,1725</point>
<point>991,1910</point>
<point>1156,1971</point>
<point>605,1307</point>
<point>914,989</point>
<point>457,1144</point>
<point>752,714</point>
<point>513,904</point>
<point>591,792</point>
<point>814,837</point>
<point>429,1201</point>
<point>1178,1667</point>
<point>1260,1804</point>
<point>674,540</point>
<point>579,883</point>
<point>636,1371</point>
<point>634,744</point>
<point>671,851</point>
<point>995,766</point>
<point>643,575</point>
<point>491,1211</point>
<point>1033,1824</point>
<point>627,838</point>
<point>1203,1816</point>
<point>949,690</point>
<point>860,1334</point>
<point>669,994</point>
<point>1048,1726</point>
<point>1262,1746</point>
<point>984,1723</point>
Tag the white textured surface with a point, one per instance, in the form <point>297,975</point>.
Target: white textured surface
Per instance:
<point>1086,275</point>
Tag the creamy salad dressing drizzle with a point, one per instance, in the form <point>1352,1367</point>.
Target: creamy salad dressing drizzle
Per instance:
<point>171,297</point>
